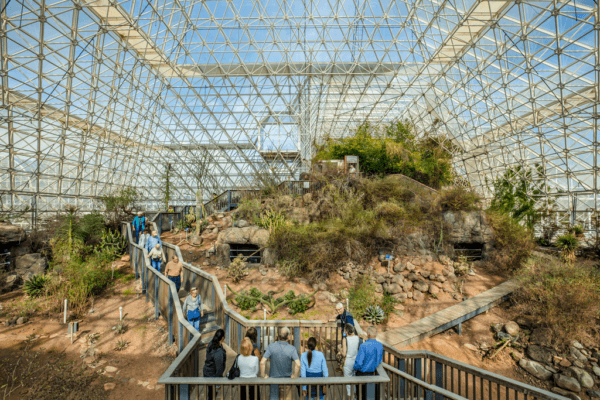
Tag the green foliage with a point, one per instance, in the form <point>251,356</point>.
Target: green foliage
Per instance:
<point>361,295</point>
<point>248,208</point>
<point>111,246</point>
<point>166,185</point>
<point>394,149</point>
<point>374,315</point>
<point>270,220</point>
<point>576,230</point>
<point>513,243</point>
<point>516,195</point>
<point>35,286</point>
<point>459,198</point>
<point>249,300</point>
<point>183,224</point>
<point>567,244</point>
<point>388,305</point>
<point>119,206</point>
<point>562,297</point>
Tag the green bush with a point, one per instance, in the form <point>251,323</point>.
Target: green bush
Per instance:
<point>394,149</point>
<point>562,297</point>
<point>245,303</point>
<point>576,230</point>
<point>459,199</point>
<point>388,305</point>
<point>567,244</point>
<point>361,295</point>
<point>35,286</point>
<point>513,243</point>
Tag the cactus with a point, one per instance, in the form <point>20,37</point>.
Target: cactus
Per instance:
<point>374,314</point>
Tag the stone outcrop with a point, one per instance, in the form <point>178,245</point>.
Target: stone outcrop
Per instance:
<point>468,227</point>
<point>29,265</point>
<point>247,235</point>
<point>10,233</point>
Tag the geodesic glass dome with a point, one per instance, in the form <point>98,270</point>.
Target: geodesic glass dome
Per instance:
<point>99,95</point>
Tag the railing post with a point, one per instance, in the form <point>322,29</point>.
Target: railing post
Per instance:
<point>258,336</point>
<point>184,392</point>
<point>156,296</point>
<point>229,200</point>
<point>145,280</point>
<point>401,367</point>
<point>170,318</point>
<point>290,187</point>
<point>297,339</point>
<point>180,334</point>
<point>159,224</point>
<point>227,330</point>
<point>439,379</point>
<point>240,338</point>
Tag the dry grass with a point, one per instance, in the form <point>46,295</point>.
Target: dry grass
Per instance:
<point>562,297</point>
<point>513,243</point>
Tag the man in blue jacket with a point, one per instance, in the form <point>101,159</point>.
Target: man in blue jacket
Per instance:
<point>139,224</point>
<point>370,355</point>
<point>344,317</point>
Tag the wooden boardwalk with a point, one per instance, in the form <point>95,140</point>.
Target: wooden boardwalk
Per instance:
<point>448,318</point>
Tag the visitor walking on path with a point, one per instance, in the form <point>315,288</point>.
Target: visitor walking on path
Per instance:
<point>139,224</point>
<point>252,334</point>
<point>192,308</point>
<point>156,257</point>
<point>144,238</point>
<point>152,241</point>
<point>313,365</point>
<point>350,345</point>
<point>343,317</point>
<point>249,368</point>
<point>283,357</point>
<point>370,355</point>
<point>216,358</point>
<point>174,271</point>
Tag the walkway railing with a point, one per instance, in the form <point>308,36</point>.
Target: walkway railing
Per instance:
<point>419,375</point>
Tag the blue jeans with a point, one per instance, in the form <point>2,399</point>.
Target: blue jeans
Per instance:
<point>136,236</point>
<point>274,389</point>
<point>195,322</point>
<point>176,280</point>
<point>156,264</point>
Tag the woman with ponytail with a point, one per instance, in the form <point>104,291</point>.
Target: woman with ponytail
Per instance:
<point>216,358</point>
<point>313,365</point>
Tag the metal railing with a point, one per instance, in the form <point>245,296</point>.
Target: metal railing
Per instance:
<point>405,374</point>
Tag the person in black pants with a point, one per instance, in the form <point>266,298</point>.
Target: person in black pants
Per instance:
<point>370,355</point>
<point>216,358</point>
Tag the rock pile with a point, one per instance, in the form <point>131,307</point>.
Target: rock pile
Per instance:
<point>573,373</point>
<point>23,262</point>
<point>410,277</point>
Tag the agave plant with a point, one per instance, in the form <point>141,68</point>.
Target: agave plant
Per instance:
<point>34,287</point>
<point>374,314</point>
<point>567,244</point>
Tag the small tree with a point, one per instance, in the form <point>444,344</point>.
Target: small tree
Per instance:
<point>166,187</point>
<point>119,206</point>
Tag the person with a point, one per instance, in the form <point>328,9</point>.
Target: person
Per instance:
<point>156,257</point>
<point>283,358</point>
<point>350,345</point>
<point>144,238</point>
<point>216,358</point>
<point>215,196</point>
<point>252,334</point>
<point>152,241</point>
<point>249,367</point>
<point>313,365</point>
<point>344,318</point>
<point>139,223</point>
<point>192,308</point>
<point>368,358</point>
<point>174,271</point>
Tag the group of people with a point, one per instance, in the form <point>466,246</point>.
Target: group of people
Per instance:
<point>359,359</point>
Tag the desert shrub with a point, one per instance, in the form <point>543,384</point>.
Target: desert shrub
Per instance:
<point>119,206</point>
<point>462,266</point>
<point>374,315</point>
<point>34,287</point>
<point>459,198</point>
<point>237,269</point>
<point>513,242</point>
<point>249,300</point>
<point>300,304</point>
<point>562,297</point>
<point>388,305</point>
<point>270,220</point>
<point>361,295</point>
<point>567,244</point>
<point>576,230</point>
<point>288,268</point>
<point>248,209</point>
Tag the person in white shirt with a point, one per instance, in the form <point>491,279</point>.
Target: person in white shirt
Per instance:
<point>350,345</point>
<point>249,367</point>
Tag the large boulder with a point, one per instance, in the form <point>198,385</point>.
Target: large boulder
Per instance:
<point>222,252</point>
<point>583,377</point>
<point>540,353</point>
<point>535,369</point>
<point>566,382</point>
<point>269,256</point>
<point>30,264</point>
<point>249,235</point>
<point>467,227</point>
<point>10,233</point>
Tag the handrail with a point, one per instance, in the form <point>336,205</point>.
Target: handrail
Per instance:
<point>442,363</point>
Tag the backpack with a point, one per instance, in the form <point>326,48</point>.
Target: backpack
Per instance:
<point>234,372</point>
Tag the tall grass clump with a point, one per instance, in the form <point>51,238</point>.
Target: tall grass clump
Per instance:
<point>513,243</point>
<point>562,297</point>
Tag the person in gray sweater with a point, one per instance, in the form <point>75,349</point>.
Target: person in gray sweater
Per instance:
<point>192,308</point>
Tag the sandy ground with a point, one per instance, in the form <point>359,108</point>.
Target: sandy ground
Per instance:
<point>137,367</point>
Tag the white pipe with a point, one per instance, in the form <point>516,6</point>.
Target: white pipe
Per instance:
<point>120,313</point>
<point>347,304</point>
<point>65,311</point>
<point>265,314</point>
